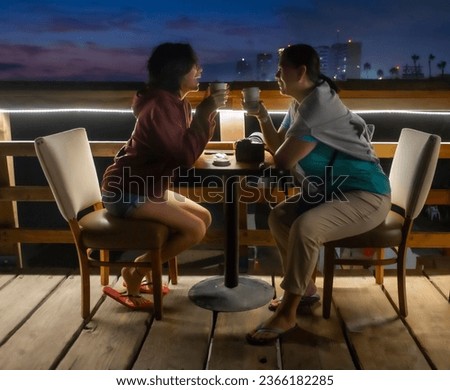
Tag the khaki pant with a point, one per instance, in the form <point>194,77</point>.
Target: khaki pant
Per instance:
<point>300,236</point>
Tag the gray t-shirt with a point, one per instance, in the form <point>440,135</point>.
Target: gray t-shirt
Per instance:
<point>323,116</point>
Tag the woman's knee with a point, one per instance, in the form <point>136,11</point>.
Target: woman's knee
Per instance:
<point>273,219</point>
<point>195,232</point>
<point>206,217</point>
<point>305,229</point>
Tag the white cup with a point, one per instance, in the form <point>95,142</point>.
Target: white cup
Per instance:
<point>217,86</point>
<point>251,97</point>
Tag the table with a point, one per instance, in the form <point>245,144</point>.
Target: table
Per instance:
<point>231,292</point>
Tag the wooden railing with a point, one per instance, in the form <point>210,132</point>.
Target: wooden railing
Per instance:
<point>356,94</point>
<point>12,235</point>
<point>362,95</point>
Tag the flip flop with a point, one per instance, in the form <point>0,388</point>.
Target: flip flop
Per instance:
<point>147,288</point>
<point>126,301</point>
<point>304,301</point>
<point>278,333</point>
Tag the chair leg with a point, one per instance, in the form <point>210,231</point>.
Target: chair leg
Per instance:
<point>173,270</point>
<point>328,274</point>
<point>104,271</point>
<point>155,257</point>
<point>85,293</point>
<point>379,269</point>
<point>401,282</point>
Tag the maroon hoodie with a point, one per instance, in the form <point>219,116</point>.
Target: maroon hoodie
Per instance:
<point>165,137</point>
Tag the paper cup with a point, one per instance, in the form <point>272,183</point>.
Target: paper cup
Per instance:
<point>251,97</point>
<point>217,86</point>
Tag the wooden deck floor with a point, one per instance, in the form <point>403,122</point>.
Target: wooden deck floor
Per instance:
<point>41,328</point>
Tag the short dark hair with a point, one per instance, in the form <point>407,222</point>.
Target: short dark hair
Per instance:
<point>168,63</point>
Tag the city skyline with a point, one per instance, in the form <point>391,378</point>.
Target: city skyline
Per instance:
<point>110,41</point>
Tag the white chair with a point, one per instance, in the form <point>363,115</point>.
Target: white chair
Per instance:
<point>68,165</point>
<point>411,175</point>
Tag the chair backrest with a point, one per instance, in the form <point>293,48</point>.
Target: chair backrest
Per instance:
<point>412,170</point>
<point>68,165</point>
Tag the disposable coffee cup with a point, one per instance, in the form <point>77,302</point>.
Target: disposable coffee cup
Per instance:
<point>251,97</point>
<point>213,87</point>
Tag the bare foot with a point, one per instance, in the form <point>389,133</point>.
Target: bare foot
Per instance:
<point>311,289</point>
<point>139,301</point>
<point>271,329</point>
<point>132,279</point>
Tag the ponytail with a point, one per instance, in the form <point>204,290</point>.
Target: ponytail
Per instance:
<point>331,83</point>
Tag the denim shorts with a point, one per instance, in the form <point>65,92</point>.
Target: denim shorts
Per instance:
<point>121,205</point>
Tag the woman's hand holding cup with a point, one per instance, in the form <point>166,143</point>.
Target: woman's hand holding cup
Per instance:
<point>219,92</point>
<point>250,100</point>
<point>252,104</point>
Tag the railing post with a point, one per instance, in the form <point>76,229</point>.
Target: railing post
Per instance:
<point>8,209</point>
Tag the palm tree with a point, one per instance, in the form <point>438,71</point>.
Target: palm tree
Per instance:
<point>442,66</point>
<point>380,74</point>
<point>367,68</point>
<point>415,58</point>
<point>431,57</point>
<point>394,72</point>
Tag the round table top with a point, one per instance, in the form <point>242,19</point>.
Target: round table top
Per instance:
<point>206,163</point>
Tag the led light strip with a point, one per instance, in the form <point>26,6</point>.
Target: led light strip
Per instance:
<point>127,111</point>
<point>401,112</point>
<point>50,110</point>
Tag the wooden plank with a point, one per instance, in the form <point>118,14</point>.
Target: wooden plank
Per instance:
<point>433,262</point>
<point>22,296</point>
<point>38,343</point>
<point>26,148</point>
<point>110,341</point>
<point>441,280</point>
<point>359,96</point>
<point>8,211</point>
<point>37,236</point>
<point>319,344</point>
<point>375,331</point>
<point>181,340</point>
<point>26,193</point>
<point>429,240</point>
<point>110,148</point>
<point>428,317</point>
<point>387,149</point>
<point>4,279</point>
<point>230,350</point>
<point>17,148</point>
<point>438,197</point>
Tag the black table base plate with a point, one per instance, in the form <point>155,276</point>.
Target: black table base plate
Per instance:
<point>249,294</point>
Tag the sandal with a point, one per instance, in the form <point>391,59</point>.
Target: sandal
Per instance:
<point>147,288</point>
<point>125,300</point>
<point>306,300</point>
<point>277,334</point>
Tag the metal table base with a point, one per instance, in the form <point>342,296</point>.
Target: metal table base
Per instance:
<point>231,292</point>
<point>212,294</point>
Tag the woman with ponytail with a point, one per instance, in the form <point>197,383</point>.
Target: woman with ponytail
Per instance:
<point>343,188</point>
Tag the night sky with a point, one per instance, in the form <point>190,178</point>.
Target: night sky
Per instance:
<point>111,40</point>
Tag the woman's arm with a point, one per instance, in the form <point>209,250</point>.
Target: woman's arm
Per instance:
<point>291,151</point>
<point>273,138</point>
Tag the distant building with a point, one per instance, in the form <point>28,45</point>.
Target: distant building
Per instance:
<point>344,61</point>
<point>354,50</point>
<point>412,72</point>
<point>341,61</point>
<point>243,70</point>
<point>324,55</point>
<point>265,70</point>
